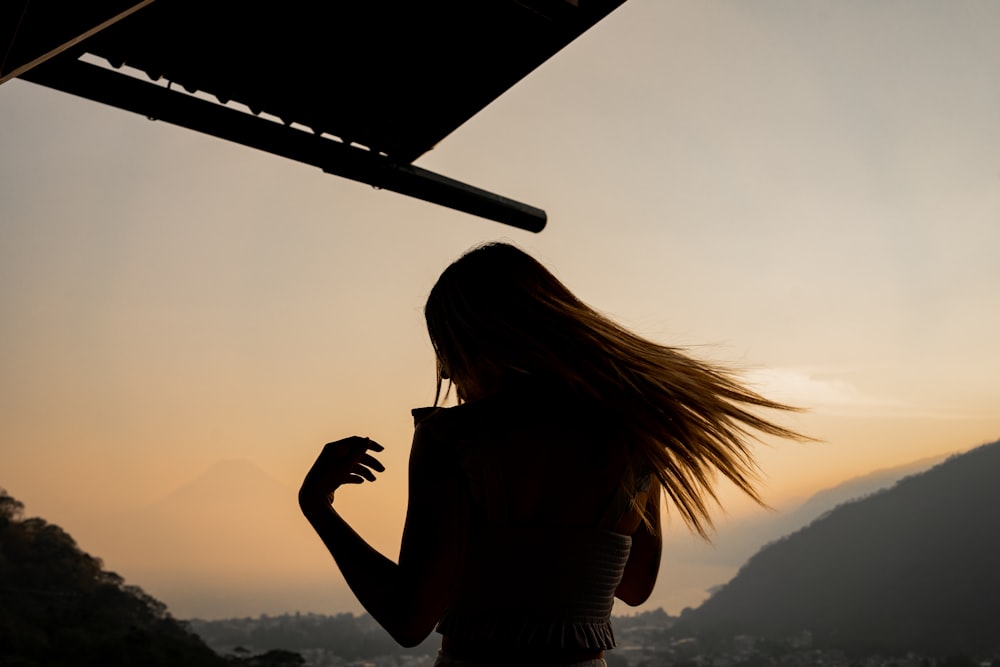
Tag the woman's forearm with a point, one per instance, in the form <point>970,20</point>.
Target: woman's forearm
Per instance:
<point>373,578</point>
<point>407,597</point>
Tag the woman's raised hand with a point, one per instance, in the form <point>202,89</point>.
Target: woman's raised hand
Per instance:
<point>345,461</point>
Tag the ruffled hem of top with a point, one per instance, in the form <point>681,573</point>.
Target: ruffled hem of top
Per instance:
<point>591,633</point>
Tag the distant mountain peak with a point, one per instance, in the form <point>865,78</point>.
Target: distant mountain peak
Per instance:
<point>227,481</point>
<point>234,467</point>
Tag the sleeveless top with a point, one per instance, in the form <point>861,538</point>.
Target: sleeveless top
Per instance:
<point>535,585</point>
<point>539,587</point>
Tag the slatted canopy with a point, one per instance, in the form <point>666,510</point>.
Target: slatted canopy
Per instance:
<point>359,88</point>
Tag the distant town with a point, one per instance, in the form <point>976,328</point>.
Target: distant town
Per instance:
<point>646,639</point>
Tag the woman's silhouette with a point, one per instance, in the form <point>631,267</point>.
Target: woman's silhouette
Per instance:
<point>535,501</point>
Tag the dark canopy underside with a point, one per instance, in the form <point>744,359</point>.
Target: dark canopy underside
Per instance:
<point>360,89</point>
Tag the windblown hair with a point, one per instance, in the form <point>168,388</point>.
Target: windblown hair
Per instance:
<point>496,314</point>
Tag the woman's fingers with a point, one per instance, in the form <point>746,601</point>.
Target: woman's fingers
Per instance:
<point>347,461</point>
<point>355,445</point>
<point>365,471</point>
<point>345,446</point>
<point>374,446</point>
<point>372,462</point>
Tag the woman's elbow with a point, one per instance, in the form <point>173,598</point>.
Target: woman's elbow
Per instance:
<point>633,596</point>
<point>408,630</point>
<point>638,581</point>
<point>408,638</point>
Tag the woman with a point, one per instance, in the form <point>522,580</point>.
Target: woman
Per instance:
<point>535,501</point>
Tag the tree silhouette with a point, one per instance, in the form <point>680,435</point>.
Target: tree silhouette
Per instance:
<point>59,607</point>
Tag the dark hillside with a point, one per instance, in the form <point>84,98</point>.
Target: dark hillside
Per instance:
<point>59,607</point>
<point>915,567</point>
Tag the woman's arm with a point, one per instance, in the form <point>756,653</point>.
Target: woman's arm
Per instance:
<point>644,559</point>
<point>409,597</point>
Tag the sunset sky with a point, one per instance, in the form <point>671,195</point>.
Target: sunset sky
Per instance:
<point>808,190</point>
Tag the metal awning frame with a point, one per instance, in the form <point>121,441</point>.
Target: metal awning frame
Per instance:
<point>98,50</point>
<point>156,102</point>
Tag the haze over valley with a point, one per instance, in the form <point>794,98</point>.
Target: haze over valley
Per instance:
<point>231,542</point>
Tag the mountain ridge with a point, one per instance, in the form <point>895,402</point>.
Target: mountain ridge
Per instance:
<point>912,567</point>
<point>737,540</point>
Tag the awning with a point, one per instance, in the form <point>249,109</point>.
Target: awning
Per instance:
<point>358,88</point>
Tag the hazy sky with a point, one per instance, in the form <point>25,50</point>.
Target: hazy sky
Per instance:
<point>809,190</point>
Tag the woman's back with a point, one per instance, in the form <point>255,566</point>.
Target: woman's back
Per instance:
<point>531,458</point>
<point>549,522</point>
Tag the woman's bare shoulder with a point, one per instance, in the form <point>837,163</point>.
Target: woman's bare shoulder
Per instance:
<point>512,422</point>
<point>440,417</point>
<point>463,413</point>
<point>446,423</point>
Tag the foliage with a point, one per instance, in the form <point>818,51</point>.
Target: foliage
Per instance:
<point>59,607</point>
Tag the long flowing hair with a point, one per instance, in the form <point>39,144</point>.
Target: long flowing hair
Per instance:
<point>497,314</point>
